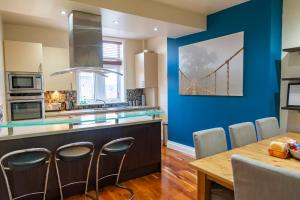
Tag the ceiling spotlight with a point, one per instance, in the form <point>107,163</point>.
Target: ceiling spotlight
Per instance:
<point>63,12</point>
<point>116,22</point>
<point>155,29</point>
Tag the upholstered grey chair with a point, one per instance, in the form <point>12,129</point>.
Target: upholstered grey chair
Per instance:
<point>242,134</point>
<point>267,127</point>
<point>207,143</point>
<point>259,181</point>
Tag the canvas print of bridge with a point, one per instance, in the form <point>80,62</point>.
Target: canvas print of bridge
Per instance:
<point>213,67</point>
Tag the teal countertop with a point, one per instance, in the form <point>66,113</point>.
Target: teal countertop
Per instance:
<point>79,119</point>
<point>99,111</point>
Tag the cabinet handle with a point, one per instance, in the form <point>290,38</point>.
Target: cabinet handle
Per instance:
<point>40,69</point>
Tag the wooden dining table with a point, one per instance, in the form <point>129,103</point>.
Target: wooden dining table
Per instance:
<point>217,168</point>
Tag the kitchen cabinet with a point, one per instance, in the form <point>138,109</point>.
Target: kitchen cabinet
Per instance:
<point>146,70</point>
<point>55,59</point>
<point>23,56</point>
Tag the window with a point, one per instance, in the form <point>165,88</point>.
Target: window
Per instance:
<point>86,83</point>
<point>93,87</point>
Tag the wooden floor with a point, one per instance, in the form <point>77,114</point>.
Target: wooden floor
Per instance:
<point>176,182</point>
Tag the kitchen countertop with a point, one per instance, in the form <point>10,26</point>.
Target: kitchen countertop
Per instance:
<point>98,110</point>
<point>36,131</point>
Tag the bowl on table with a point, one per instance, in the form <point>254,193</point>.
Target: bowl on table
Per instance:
<point>295,153</point>
<point>294,148</point>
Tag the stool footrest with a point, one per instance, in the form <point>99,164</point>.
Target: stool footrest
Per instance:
<point>74,183</point>
<point>25,195</point>
<point>104,177</point>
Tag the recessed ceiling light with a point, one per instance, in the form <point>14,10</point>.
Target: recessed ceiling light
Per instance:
<point>63,12</point>
<point>116,22</point>
<point>155,29</point>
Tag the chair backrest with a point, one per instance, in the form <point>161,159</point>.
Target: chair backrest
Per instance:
<point>267,127</point>
<point>242,134</point>
<point>256,180</point>
<point>209,142</point>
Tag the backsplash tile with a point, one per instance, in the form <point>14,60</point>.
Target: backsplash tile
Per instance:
<point>70,96</point>
<point>134,97</point>
<point>61,96</point>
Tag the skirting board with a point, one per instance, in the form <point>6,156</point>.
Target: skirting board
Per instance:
<point>190,151</point>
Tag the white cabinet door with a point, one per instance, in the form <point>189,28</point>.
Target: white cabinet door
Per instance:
<point>151,73</point>
<point>139,71</point>
<point>146,70</point>
<point>22,56</point>
<point>55,59</point>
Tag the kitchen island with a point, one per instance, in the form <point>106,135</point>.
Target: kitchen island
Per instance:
<point>144,157</point>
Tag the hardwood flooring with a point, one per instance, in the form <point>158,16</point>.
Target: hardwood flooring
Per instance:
<point>176,182</point>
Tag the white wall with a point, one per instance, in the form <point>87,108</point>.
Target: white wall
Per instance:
<point>289,120</point>
<point>159,45</point>
<point>47,36</point>
<point>2,76</point>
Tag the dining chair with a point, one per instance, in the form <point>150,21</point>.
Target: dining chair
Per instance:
<point>242,134</point>
<point>207,143</point>
<point>267,127</point>
<point>256,180</point>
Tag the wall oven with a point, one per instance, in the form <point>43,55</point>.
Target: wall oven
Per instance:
<point>25,82</point>
<point>25,96</point>
<point>26,109</point>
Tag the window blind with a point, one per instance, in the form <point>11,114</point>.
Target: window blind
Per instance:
<point>112,53</point>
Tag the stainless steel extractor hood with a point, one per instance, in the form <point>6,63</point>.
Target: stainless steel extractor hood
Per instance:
<point>85,40</point>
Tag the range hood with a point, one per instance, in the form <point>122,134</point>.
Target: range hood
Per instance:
<point>85,44</point>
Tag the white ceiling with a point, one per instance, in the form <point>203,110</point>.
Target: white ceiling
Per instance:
<point>202,6</point>
<point>47,13</point>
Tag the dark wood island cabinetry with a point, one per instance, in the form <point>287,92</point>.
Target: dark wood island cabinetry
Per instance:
<point>143,158</point>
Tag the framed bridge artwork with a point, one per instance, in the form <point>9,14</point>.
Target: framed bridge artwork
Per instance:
<point>213,67</point>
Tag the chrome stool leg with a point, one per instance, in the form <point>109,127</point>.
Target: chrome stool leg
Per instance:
<point>118,177</point>
<point>14,161</point>
<point>119,147</point>
<point>71,152</point>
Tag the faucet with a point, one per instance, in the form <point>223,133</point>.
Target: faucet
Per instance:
<point>104,103</point>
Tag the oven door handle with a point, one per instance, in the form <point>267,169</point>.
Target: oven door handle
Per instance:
<point>25,100</point>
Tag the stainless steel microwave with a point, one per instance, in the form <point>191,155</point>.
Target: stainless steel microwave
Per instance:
<point>25,82</point>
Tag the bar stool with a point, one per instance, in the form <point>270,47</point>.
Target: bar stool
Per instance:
<point>74,152</point>
<point>117,147</point>
<point>22,160</point>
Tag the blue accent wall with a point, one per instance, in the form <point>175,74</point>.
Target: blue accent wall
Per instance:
<point>261,22</point>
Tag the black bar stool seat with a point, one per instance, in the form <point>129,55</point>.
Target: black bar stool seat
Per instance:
<point>116,148</point>
<point>21,160</point>
<point>74,153</point>
<point>27,160</point>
